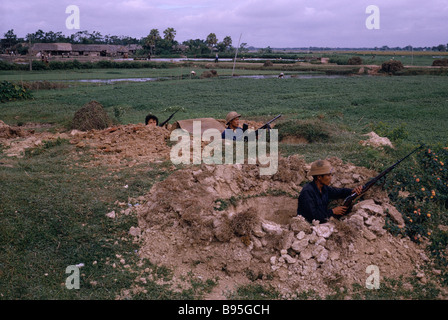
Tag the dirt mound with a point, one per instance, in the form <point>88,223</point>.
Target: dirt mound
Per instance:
<point>8,132</point>
<point>16,139</point>
<point>125,144</point>
<point>91,116</point>
<point>209,74</point>
<point>229,223</point>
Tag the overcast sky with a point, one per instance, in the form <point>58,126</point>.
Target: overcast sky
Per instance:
<point>262,23</point>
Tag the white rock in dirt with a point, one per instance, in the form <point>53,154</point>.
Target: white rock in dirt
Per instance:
<point>306,254</point>
<point>320,253</point>
<point>313,238</point>
<point>369,206</point>
<point>300,235</point>
<point>135,231</point>
<point>287,240</point>
<point>289,259</point>
<point>271,228</point>
<point>369,235</point>
<point>299,245</point>
<point>376,141</point>
<point>395,214</point>
<point>111,215</point>
<point>356,220</point>
<point>323,230</point>
<point>299,223</point>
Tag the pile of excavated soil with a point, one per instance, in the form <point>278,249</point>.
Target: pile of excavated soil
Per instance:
<point>9,132</point>
<point>123,144</point>
<point>16,139</point>
<point>230,223</point>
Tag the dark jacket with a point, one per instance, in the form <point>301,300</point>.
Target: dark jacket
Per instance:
<point>236,135</point>
<point>313,205</point>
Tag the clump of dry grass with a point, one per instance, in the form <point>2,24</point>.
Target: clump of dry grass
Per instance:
<point>209,74</point>
<point>243,223</point>
<point>42,85</point>
<point>91,116</point>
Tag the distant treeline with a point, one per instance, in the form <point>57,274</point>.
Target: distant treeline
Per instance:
<point>165,43</point>
<point>75,64</point>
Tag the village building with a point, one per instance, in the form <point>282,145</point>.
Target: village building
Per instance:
<point>53,49</point>
<point>90,50</point>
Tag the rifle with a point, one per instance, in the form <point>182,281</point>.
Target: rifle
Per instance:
<point>266,125</point>
<point>169,118</point>
<point>348,202</point>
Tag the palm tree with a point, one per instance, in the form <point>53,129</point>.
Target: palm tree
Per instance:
<point>211,40</point>
<point>227,42</point>
<point>151,39</point>
<point>169,34</point>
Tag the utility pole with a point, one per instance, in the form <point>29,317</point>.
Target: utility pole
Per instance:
<point>31,56</point>
<point>236,53</point>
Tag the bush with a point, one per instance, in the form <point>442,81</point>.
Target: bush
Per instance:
<point>311,130</point>
<point>419,190</point>
<point>355,61</point>
<point>440,63</point>
<point>392,66</point>
<point>12,92</point>
<point>397,134</point>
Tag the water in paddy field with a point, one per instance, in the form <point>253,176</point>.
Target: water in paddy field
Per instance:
<point>272,76</point>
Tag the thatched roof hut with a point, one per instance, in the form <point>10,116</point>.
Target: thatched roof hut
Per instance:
<point>52,48</point>
<point>99,49</point>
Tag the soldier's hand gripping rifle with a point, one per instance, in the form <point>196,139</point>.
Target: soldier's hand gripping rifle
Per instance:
<point>349,201</point>
<point>169,118</point>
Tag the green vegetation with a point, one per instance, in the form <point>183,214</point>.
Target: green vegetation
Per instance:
<point>53,207</point>
<point>12,92</point>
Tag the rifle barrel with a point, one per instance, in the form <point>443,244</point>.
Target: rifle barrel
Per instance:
<point>349,200</point>
<point>269,122</point>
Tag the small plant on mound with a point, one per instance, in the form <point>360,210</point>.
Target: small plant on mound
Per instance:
<point>392,66</point>
<point>311,130</point>
<point>12,92</point>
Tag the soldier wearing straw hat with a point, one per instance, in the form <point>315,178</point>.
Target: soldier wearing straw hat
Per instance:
<point>233,130</point>
<point>316,195</point>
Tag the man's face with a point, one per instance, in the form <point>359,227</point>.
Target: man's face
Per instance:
<point>326,179</point>
<point>152,122</point>
<point>234,123</point>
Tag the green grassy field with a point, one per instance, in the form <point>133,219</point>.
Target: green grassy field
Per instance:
<point>53,209</point>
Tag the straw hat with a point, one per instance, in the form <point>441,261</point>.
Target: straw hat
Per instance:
<point>320,167</point>
<point>231,115</point>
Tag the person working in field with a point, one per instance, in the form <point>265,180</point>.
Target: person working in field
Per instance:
<point>151,120</point>
<point>315,196</point>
